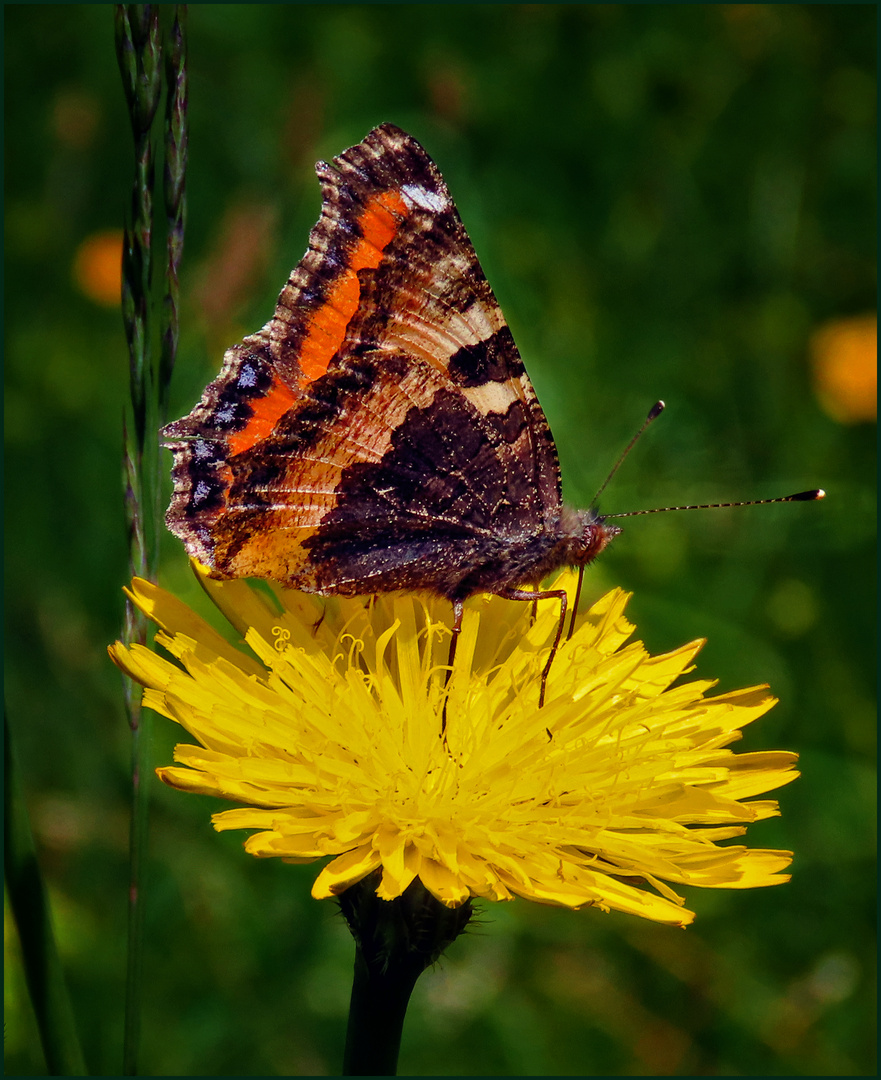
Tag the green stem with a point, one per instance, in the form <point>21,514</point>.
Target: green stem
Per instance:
<point>376,1016</point>
<point>395,941</point>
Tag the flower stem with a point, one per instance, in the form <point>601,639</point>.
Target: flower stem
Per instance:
<point>376,1016</point>
<point>395,941</point>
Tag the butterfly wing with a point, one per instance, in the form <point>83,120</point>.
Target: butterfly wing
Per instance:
<point>380,431</point>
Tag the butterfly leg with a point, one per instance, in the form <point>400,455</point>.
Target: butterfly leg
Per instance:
<point>575,602</point>
<point>535,595</point>
<point>458,611</point>
<point>316,626</point>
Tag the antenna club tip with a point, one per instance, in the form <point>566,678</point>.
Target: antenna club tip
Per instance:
<point>656,410</point>
<point>809,496</point>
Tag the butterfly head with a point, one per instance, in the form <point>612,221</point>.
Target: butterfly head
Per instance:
<point>587,534</point>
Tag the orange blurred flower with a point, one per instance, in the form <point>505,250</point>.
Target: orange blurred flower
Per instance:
<point>97,267</point>
<point>845,360</point>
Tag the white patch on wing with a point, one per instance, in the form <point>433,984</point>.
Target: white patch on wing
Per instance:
<point>490,397</point>
<point>424,199</point>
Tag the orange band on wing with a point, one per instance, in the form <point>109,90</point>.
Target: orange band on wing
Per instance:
<point>379,223</point>
<point>327,327</point>
<point>267,411</point>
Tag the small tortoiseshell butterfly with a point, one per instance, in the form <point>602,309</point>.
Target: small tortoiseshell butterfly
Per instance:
<point>380,432</point>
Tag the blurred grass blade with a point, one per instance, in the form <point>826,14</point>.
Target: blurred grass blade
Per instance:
<point>29,902</point>
<point>139,50</point>
<point>139,47</point>
<point>176,147</point>
<point>140,724</point>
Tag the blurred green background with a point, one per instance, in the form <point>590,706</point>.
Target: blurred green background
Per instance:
<point>670,201</point>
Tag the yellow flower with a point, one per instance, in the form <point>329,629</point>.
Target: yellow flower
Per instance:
<point>330,732</point>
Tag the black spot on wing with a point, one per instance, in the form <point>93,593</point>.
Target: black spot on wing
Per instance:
<point>510,424</point>
<point>495,359</point>
<point>199,489</point>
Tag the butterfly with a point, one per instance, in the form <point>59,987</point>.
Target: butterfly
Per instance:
<point>380,432</point>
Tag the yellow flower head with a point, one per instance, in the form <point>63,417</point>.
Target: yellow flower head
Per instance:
<point>331,734</point>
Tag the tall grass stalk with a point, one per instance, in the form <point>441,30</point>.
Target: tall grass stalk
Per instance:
<point>140,44</point>
<point>29,902</point>
<point>176,148</point>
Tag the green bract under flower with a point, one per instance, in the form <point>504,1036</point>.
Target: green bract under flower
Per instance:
<point>330,732</point>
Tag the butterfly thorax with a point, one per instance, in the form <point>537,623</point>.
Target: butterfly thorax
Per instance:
<point>575,538</point>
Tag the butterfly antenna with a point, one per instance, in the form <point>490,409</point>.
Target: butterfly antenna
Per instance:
<point>800,496</point>
<point>654,412</point>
